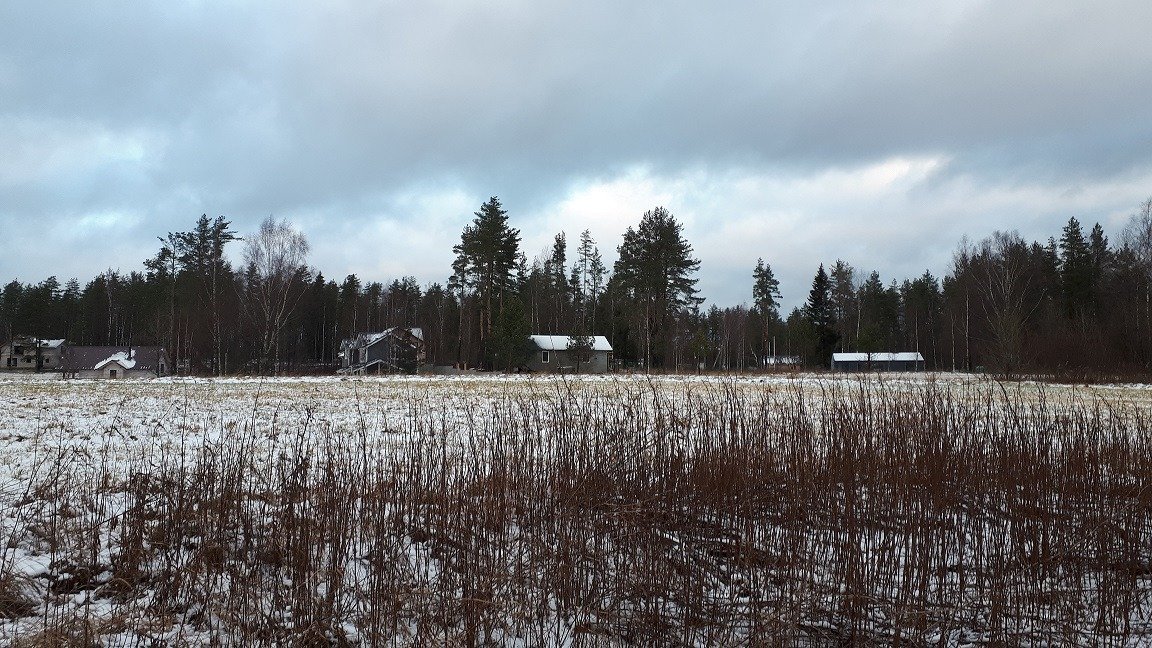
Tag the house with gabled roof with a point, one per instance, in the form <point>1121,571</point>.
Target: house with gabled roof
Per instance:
<point>114,362</point>
<point>394,350</point>
<point>551,354</point>
<point>904,361</point>
<point>30,353</point>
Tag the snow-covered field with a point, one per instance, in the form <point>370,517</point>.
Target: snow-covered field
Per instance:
<point>611,510</point>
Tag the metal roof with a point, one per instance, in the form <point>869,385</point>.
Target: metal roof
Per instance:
<point>905,356</point>
<point>85,358</point>
<point>561,342</point>
<point>364,340</point>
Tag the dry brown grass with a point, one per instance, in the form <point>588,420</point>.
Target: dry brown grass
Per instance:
<point>631,515</point>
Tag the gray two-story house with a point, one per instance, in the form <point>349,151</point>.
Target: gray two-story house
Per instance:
<point>394,350</point>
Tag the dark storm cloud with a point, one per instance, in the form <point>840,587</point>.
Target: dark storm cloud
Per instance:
<point>128,120</point>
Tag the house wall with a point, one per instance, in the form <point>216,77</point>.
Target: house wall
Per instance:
<point>877,365</point>
<point>402,353</point>
<point>121,372</point>
<point>26,361</point>
<point>378,351</point>
<point>559,361</point>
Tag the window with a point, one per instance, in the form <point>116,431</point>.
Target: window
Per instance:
<point>544,357</point>
<point>12,362</point>
<point>111,373</point>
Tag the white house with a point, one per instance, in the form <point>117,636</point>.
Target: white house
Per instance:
<point>550,355</point>
<point>906,361</point>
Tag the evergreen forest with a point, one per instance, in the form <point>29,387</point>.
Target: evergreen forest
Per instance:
<point>1078,303</point>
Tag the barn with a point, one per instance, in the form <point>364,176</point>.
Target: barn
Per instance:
<point>905,361</point>
<point>550,355</point>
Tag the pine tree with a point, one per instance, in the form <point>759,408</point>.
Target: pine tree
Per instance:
<point>655,267</point>
<point>555,269</point>
<point>582,279</point>
<point>766,298</point>
<point>845,304</point>
<point>201,254</point>
<point>486,262</point>
<point>596,284</point>
<point>765,290</point>
<point>1101,258</point>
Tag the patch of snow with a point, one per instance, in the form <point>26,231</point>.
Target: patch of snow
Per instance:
<point>122,358</point>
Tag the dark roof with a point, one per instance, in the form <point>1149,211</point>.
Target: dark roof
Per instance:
<point>414,336</point>
<point>85,358</point>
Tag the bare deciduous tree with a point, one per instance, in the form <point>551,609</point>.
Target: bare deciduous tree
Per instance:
<point>1137,238</point>
<point>276,276</point>
<point>1010,294</point>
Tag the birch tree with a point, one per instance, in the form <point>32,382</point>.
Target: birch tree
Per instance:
<point>276,276</point>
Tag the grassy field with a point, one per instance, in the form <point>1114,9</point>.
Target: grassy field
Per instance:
<point>698,511</point>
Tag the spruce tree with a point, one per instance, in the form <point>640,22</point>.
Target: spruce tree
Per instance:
<point>817,313</point>
<point>1075,267</point>
<point>507,348</point>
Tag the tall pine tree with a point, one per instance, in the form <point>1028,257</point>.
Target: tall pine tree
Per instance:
<point>655,268</point>
<point>486,262</point>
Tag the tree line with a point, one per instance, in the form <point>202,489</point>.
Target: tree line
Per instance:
<point>1074,303</point>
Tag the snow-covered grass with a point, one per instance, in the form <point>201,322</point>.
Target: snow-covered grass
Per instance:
<point>677,510</point>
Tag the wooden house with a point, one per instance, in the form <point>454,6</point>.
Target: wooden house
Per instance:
<point>906,361</point>
<point>394,350</point>
<point>551,355</point>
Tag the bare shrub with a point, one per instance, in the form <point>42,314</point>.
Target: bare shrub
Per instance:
<point>852,513</point>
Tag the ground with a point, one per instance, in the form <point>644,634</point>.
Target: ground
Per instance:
<point>547,510</point>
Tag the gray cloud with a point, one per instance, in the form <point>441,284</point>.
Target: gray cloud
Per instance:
<point>131,119</point>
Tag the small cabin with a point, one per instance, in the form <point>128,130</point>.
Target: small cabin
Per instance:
<point>852,362</point>
<point>550,354</point>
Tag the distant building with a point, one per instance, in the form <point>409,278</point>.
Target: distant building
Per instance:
<point>114,362</point>
<point>550,355</point>
<point>906,361</point>
<point>28,353</point>
<point>394,350</point>
<point>781,361</point>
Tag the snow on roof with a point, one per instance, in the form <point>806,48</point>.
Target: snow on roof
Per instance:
<point>373,338</point>
<point>126,359</point>
<point>905,356</point>
<point>561,342</point>
<point>25,340</point>
<point>86,358</point>
<point>368,339</point>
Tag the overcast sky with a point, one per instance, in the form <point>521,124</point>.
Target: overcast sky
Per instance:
<point>880,133</point>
